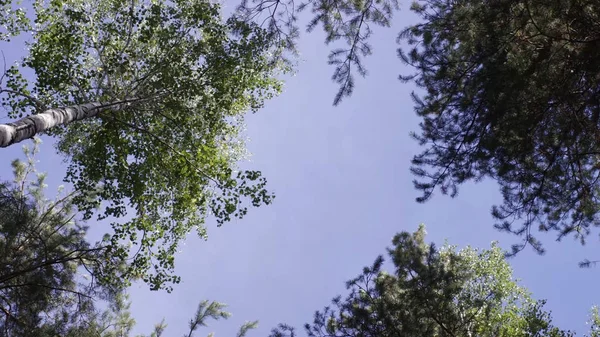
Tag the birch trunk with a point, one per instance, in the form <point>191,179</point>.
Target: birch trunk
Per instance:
<point>28,127</point>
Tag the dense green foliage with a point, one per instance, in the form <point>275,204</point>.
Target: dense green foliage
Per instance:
<point>49,272</point>
<point>434,292</point>
<point>509,92</point>
<point>52,278</point>
<point>513,95</point>
<point>174,80</point>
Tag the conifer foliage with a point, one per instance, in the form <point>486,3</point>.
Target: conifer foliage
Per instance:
<point>52,279</point>
<point>433,293</point>
<point>50,275</point>
<point>511,93</point>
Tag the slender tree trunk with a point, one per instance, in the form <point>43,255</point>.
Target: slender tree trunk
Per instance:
<point>28,127</point>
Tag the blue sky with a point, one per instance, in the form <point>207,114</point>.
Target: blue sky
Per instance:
<point>343,190</point>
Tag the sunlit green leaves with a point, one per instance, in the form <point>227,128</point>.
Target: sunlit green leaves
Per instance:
<point>433,292</point>
<point>17,97</point>
<point>13,19</point>
<point>179,79</point>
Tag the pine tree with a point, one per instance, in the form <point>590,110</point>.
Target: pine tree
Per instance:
<point>433,292</point>
<point>347,21</point>
<point>50,275</point>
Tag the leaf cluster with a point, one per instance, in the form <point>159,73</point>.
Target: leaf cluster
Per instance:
<point>347,21</point>
<point>511,93</point>
<point>173,80</point>
<point>433,292</point>
<point>48,270</point>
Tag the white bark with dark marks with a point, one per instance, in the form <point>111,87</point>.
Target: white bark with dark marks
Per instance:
<point>28,127</point>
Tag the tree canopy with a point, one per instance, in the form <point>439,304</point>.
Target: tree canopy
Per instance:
<point>508,90</point>
<point>52,278</point>
<point>511,93</point>
<point>50,274</point>
<point>147,101</point>
<point>435,292</point>
<point>347,21</point>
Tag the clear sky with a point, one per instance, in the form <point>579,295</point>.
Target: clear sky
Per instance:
<point>343,186</point>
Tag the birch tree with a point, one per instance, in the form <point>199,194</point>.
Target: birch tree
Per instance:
<point>146,100</point>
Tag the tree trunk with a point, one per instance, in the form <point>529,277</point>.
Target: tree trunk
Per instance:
<point>28,127</point>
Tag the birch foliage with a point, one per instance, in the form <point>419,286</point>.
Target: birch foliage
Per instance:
<point>171,82</point>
